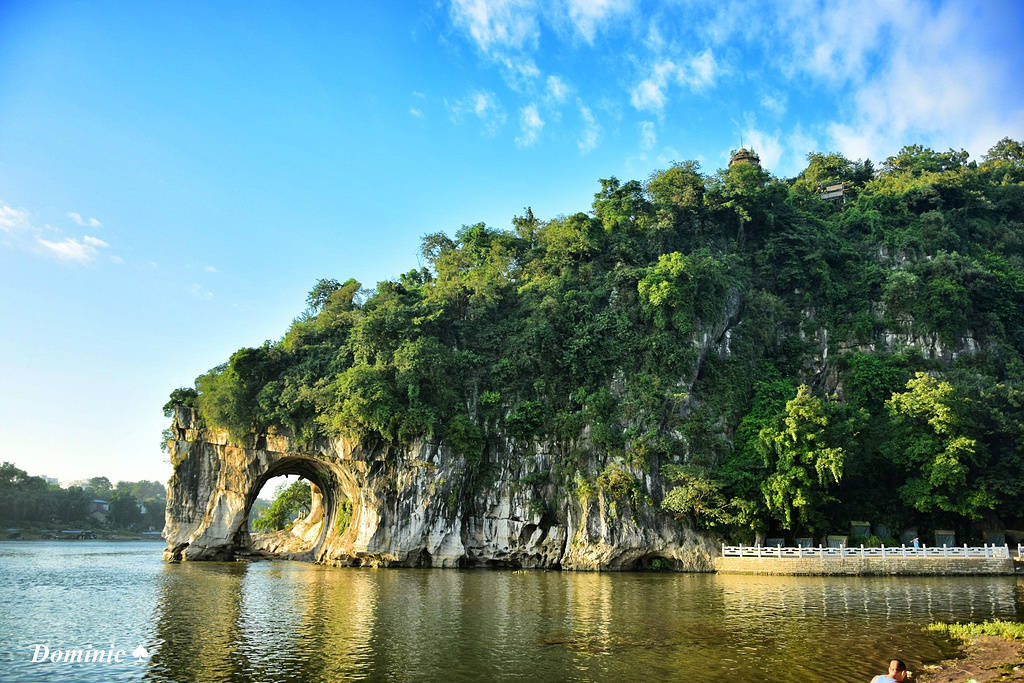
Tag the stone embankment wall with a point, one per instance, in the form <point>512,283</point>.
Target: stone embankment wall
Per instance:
<point>865,566</point>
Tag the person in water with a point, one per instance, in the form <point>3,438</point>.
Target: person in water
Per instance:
<point>897,672</point>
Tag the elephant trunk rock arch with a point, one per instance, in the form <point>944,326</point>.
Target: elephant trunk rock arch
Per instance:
<point>414,505</point>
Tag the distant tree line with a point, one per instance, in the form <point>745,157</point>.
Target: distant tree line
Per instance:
<point>25,498</point>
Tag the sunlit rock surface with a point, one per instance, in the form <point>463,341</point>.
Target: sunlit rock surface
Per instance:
<point>420,507</point>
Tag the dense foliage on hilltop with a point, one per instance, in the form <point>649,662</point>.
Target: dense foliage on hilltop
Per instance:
<point>758,347</point>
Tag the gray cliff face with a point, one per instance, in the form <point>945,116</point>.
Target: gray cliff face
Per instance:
<point>420,506</point>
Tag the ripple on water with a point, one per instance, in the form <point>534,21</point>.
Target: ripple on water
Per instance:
<point>291,621</point>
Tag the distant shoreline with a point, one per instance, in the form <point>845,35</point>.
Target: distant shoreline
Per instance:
<point>85,540</point>
<point>100,535</point>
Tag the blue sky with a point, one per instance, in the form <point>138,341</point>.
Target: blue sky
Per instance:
<point>174,177</point>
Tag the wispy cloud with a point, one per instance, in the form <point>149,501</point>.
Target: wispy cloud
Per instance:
<point>767,146</point>
<point>416,112</point>
<point>199,292</point>
<point>25,234</point>
<point>481,104</point>
<point>12,219</point>
<point>84,222</point>
<point>557,89</point>
<point>697,72</point>
<point>588,16</point>
<point>70,249</point>
<point>649,94</point>
<point>530,125</point>
<point>935,73</point>
<point>210,269</point>
<point>648,136</point>
<point>774,102</point>
<point>497,25</point>
<point>934,84</point>
<point>520,72</point>
<point>591,132</point>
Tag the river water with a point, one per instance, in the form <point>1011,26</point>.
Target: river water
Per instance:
<point>290,621</point>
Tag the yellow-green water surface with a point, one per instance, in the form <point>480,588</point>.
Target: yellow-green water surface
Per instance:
<point>289,621</point>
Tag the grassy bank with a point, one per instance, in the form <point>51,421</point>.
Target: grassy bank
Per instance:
<point>990,651</point>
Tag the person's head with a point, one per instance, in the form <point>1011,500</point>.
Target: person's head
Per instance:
<point>897,669</point>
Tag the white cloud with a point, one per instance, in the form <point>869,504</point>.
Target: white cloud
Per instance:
<point>519,72</point>
<point>497,25</point>
<point>668,156</point>
<point>530,125</point>
<point>935,84</point>
<point>648,136</point>
<point>654,41</point>
<point>766,145</point>
<point>198,292</point>
<point>84,222</point>
<point>781,153</point>
<point>70,249</point>
<point>941,74</point>
<point>591,130</point>
<point>483,105</point>
<point>12,219</point>
<point>649,94</point>
<point>557,90</point>
<point>210,269</point>
<point>775,102</point>
<point>702,70</point>
<point>588,15</point>
<point>116,259</point>
<point>416,112</point>
<point>698,72</point>
<point>26,235</point>
<point>504,31</point>
<point>800,144</point>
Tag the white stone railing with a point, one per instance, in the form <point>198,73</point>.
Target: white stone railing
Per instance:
<point>981,552</point>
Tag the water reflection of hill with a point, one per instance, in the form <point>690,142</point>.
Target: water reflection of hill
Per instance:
<point>294,621</point>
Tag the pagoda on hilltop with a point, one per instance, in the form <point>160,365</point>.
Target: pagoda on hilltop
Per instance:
<point>745,156</point>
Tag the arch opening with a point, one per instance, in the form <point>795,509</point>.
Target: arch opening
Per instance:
<point>303,536</point>
<point>656,563</point>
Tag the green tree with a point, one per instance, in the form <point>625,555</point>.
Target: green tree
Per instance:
<point>941,460</point>
<point>801,461</point>
<point>182,396</point>
<point>698,497</point>
<point>289,504</point>
<point>917,159</point>
<point>100,486</point>
<point>124,510</point>
<point>685,291</point>
<point>1006,150</point>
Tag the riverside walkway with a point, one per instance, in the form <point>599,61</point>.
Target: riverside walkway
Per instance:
<point>860,560</point>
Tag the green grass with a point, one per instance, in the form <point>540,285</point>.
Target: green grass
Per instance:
<point>1013,630</point>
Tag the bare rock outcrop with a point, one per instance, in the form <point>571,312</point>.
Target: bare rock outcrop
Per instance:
<point>416,506</point>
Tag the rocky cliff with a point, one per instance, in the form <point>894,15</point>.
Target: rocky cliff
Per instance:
<point>421,506</point>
